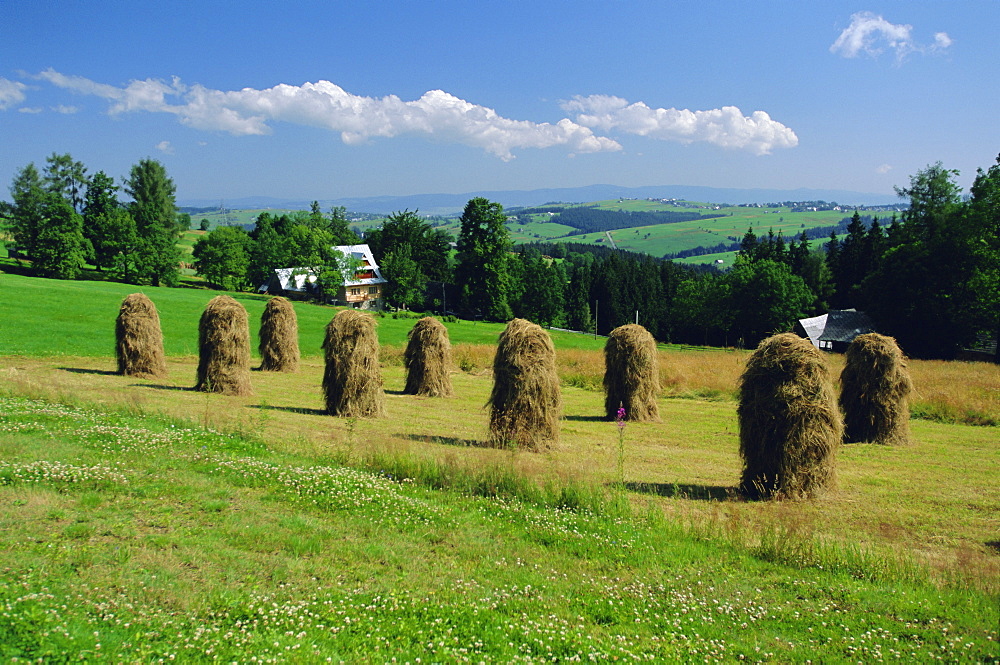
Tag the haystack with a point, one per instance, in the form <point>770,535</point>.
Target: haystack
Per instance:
<point>631,374</point>
<point>138,339</point>
<point>428,359</point>
<point>790,426</point>
<point>224,345</point>
<point>279,337</point>
<point>526,403</point>
<point>874,392</point>
<point>352,381</point>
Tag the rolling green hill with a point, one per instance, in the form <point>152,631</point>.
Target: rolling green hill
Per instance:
<point>726,225</point>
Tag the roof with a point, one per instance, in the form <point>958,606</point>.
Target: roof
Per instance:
<point>296,279</point>
<point>843,325</point>
<point>814,327</point>
<point>363,254</point>
<point>293,279</point>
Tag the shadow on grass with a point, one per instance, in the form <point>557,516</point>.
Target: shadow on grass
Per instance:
<point>685,491</point>
<point>160,386</point>
<point>589,419</point>
<point>994,545</point>
<point>81,370</point>
<point>289,409</point>
<point>395,392</point>
<point>446,440</point>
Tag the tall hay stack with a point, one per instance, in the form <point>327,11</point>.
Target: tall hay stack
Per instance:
<point>875,388</point>
<point>138,339</point>
<point>224,348</point>
<point>352,380</point>
<point>526,403</point>
<point>428,359</point>
<point>790,426</point>
<point>279,337</point>
<point>631,374</point>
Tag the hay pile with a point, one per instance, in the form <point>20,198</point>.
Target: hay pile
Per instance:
<point>279,337</point>
<point>138,339</point>
<point>874,392</point>
<point>224,346</point>
<point>631,374</point>
<point>526,403</point>
<point>790,426</point>
<point>428,359</point>
<point>352,381</point>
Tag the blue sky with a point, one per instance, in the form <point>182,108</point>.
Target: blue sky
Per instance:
<point>335,99</point>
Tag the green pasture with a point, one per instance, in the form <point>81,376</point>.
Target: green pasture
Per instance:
<point>48,317</point>
<point>129,537</point>
<point>231,217</point>
<point>660,239</point>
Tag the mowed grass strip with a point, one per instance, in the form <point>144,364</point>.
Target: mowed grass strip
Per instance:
<point>128,537</point>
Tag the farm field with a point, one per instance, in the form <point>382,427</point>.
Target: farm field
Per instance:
<point>657,240</point>
<point>660,239</point>
<point>293,534</point>
<point>133,537</point>
<point>289,533</point>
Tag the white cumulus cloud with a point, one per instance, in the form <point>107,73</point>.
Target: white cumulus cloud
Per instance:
<point>883,169</point>
<point>436,114</point>
<point>872,35</point>
<point>66,110</point>
<point>11,93</point>
<point>165,147</point>
<point>726,127</point>
<point>941,40</point>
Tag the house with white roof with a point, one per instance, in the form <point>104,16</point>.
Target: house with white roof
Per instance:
<point>362,287</point>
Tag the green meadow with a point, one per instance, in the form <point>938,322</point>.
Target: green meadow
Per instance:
<point>140,520</point>
<point>730,226</point>
<point>46,317</point>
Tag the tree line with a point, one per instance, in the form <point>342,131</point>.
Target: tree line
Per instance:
<point>930,277</point>
<point>61,218</point>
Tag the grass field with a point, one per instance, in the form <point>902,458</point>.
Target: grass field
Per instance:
<point>130,532</point>
<point>136,538</point>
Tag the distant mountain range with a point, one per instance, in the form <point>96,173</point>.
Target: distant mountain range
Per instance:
<point>446,204</point>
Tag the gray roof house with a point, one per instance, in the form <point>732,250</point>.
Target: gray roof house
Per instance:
<point>835,330</point>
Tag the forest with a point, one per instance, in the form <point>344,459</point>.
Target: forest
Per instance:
<point>930,277</point>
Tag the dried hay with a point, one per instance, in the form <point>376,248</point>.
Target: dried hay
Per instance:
<point>790,426</point>
<point>224,346</point>
<point>428,359</point>
<point>279,337</point>
<point>631,374</point>
<point>352,380</point>
<point>138,339</point>
<point>875,387</point>
<point>526,403</point>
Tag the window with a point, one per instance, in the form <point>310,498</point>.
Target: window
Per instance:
<point>355,292</point>
<point>373,290</point>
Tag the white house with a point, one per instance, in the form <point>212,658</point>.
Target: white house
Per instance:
<point>363,281</point>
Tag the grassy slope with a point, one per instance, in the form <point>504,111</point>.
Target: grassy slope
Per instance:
<point>661,239</point>
<point>134,538</point>
<point>217,544</point>
<point>41,317</point>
